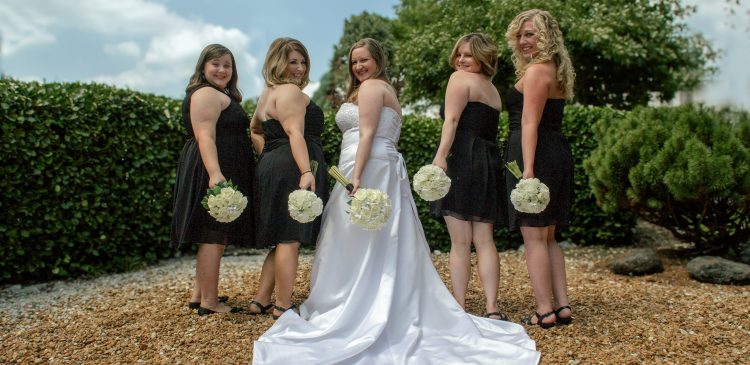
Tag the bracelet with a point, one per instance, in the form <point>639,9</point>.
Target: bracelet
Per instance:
<point>310,171</point>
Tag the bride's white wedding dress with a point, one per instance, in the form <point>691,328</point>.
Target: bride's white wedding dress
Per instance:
<point>375,297</point>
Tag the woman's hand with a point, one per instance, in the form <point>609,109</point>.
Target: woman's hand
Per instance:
<point>528,174</point>
<point>441,163</point>
<point>213,180</point>
<point>307,181</point>
<point>355,186</point>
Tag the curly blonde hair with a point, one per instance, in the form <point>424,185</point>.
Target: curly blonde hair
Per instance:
<point>550,44</point>
<point>483,49</point>
<point>277,58</point>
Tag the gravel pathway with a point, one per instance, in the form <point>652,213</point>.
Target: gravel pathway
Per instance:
<point>141,317</point>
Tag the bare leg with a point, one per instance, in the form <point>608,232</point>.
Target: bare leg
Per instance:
<point>538,264</point>
<point>208,262</point>
<point>285,269</point>
<point>196,297</point>
<point>267,281</point>
<point>488,263</point>
<point>559,279</point>
<point>460,257</point>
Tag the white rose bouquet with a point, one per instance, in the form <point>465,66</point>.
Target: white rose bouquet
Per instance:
<point>369,209</point>
<point>224,202</point>
<point>529,195</point>
<point>304,206</point>
<point>431,183</point>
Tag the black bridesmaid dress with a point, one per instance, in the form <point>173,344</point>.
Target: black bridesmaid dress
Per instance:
<point>553,163</point>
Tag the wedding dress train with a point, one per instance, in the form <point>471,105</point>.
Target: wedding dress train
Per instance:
<point>375,296</point>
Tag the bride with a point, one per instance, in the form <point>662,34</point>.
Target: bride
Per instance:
<point>375,297</point>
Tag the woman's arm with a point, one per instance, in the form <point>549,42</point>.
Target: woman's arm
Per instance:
<point>290,109</point>
<point>456,97</point>
<point>370,99</point>
<point>536,83</point>
<point>256,125</point>
<point>206,105</point>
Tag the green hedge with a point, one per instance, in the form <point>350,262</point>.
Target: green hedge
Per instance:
<point>590,225</point>
<point>88,172</point>
<point>685,168</point>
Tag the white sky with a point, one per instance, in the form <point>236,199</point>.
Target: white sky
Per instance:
<point>152,45</point>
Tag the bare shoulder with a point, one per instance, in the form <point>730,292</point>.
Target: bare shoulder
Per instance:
<point>373,85</point>
<point>206,94</point>
<point>545,70</point>
<point>288,92</point>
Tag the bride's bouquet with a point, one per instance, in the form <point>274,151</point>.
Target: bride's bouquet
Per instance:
<point>224,202</point>
<point>431,183</point>
<point>529,195</point>
<point>369,209</point>
<point>304,206</point>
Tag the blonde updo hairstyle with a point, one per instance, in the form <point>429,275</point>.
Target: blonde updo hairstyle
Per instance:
<point>550,44</point>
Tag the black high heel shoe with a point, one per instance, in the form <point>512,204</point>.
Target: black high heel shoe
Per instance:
<point>539,318</point>
<point>563,320</point>
<point>282,310</point>
<point>205,311</point>
<point>196,305</point>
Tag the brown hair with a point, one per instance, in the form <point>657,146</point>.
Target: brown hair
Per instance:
<point>378,55</point>
<point>483,49</point>
<point>277,59</point>
<point>198,80</point>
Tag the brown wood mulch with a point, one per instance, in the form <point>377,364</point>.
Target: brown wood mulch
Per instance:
<point>141,317</point>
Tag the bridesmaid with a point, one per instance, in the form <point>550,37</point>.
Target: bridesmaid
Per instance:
<point>286,129</point>
<point>216,149</point>
<point>535,106</point>
<point>469,154</point>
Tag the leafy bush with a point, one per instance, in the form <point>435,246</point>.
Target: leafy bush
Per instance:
<point>590,224</point>
<point>685,168</point>
<point>88,172</point>
<point>87,179</point>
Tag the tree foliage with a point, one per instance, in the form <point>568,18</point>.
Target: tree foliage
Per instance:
<point>333,84</point>
<point>685,168</point>
<point>623,51</point>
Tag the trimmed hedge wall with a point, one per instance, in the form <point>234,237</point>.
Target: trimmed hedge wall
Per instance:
<point>88,172</point>
<point>590,225</point>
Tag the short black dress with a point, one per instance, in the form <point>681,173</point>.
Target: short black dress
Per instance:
<point>278,176</point>
<point>474,166</point>
<point>553,163</point>
<point>191,223</point>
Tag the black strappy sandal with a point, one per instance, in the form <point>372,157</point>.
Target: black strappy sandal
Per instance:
<point>205,311</point>
<point>564,320</point>
<point>282,310</point>
<point>501,316</point>
<point>263,309</point>
<point>196,305</point>
<point>539,318</point>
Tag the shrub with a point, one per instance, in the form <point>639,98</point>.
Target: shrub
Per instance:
<point>590,224</point>
<point>88,171</point>
<point>685,168</point>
